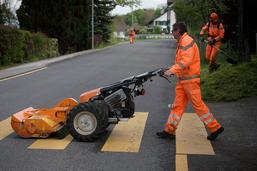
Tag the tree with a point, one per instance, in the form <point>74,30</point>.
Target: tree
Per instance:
<point>127,2</point>
<point>236,15</point>
<point>69,20</point>
<point>119,23</point>
<point>188,12</point>
<point>141,16</point>
<point>6,16</point>
<point>103,18</point>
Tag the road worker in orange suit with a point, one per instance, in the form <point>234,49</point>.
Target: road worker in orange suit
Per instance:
<point>215,32</point>
<point>187,69</point>
<point>132,35</point>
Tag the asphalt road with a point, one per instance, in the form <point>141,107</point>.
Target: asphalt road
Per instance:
<point>236,149</point>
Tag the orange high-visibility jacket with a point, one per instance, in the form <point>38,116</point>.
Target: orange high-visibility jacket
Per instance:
<point>187,62</point>
<point>132,34</point>
<point>216,31</point>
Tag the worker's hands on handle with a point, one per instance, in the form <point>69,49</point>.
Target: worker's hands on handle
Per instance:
<point>202,37</point>
<point>168,73</point>
<point>162,72</point>
<point>211,40</point>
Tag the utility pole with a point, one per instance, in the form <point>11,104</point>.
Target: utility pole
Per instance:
<point>240,30</point>
<point>92,22</point>
<point>132,20</point>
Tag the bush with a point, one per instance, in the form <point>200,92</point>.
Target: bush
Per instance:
<point>52,48</point>
<point>38,46</point>
<point>157,30</point>
<point>11,45</point>
<point>143,31</point>
<point>19,46</point>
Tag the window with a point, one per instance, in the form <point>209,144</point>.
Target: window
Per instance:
<point>160,23</point>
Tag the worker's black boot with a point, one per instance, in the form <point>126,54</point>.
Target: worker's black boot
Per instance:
<point>211,69</point>
<point>215,134</point>
<point>165,135</point>
<point>217,66</point>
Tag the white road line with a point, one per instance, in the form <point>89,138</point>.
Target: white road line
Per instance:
<point>27,73</point>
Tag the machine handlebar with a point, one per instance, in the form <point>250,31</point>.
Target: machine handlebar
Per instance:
<point>137,80</point>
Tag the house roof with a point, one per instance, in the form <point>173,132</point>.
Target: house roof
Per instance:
<point>157,17</point>
<point>170,4</point>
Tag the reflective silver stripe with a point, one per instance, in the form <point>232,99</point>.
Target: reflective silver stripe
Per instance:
<point>174,119</point>
<point>188,46</point>
<point>205,116</point>
<point>182,66</point>
<point>177,117</point>
<point>173,123</point>
<point>174,116</point>
<point>209,121</point>
<point>189,78</point>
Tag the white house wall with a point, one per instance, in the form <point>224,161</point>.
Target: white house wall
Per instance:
<point>169,15</point>
<point>162,18</point>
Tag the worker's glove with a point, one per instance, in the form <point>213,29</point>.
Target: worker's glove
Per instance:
<point>168,73</point>
<point>162,71</point>
<point>211,40</point>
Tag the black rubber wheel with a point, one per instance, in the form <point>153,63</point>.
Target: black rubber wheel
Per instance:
<point>63,132</point>
<point>87,121</point>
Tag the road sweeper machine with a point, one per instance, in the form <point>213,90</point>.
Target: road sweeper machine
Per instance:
<point>87,119</point>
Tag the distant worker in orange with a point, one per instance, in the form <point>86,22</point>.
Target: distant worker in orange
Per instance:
<point>187,69</point>
<point>132,35</point>
<point>215,31</point>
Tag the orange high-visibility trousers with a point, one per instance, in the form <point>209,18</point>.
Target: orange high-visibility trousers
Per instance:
<point>132,39</point>
<point>189,91</point>
<point>211,52</point>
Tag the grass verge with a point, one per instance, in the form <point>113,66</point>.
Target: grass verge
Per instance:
<point>230,83</point>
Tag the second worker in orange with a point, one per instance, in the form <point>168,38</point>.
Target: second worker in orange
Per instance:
<point>215,31</point>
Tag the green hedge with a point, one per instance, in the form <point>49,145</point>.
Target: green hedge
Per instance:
<point>19,46</point>
<point>11,46</point>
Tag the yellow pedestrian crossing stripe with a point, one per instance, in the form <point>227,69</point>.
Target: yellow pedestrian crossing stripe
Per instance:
<point>181,162</point>
<point>5,128</point>
<point>127,136</point>
<point>51,144</point>
<point>191,139</point>
<point>191,136</point>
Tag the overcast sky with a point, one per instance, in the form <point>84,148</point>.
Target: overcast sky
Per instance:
<point>118,10</point>
<point>144,4</point>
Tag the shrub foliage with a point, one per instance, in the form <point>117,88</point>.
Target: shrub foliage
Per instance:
<point>19,46</point>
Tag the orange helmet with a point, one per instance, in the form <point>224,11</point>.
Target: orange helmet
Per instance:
<point>214,16</point>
